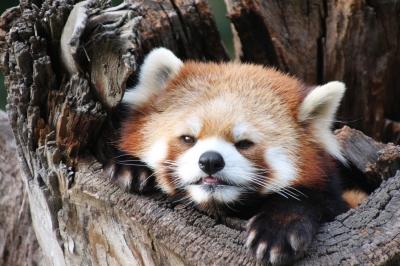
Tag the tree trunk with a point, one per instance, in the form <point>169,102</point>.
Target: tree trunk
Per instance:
<point>322,40</point>
<point>18,245</point>
<point>60,100</point>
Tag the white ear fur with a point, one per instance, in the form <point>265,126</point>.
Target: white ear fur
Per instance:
<point>319,109</point>
<point>159,66</point>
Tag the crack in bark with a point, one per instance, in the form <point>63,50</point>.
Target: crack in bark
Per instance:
<point>321,43</point>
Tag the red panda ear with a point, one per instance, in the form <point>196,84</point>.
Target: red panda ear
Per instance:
<point>318,109</point>
<point>159,66</point>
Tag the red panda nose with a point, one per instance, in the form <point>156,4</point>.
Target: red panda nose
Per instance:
<point>211,162</point>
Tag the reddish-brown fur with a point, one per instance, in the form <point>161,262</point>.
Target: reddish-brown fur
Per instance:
<point>195,84</point>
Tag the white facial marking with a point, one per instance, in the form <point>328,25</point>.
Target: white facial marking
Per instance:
<point>156,154</point>
<point>195,125</point>
<point>198,194</point>
<point>237,168</point>
<point>244,130</point>
<point>283,168</point>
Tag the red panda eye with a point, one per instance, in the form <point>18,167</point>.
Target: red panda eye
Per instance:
<point>188,139</point>
<point>244,144</point>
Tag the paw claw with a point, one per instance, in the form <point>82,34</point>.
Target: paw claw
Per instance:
<point>300,237</point>
<point>261,250</point>
<point>278,256</point>
<point>250,238</point>
<point>250,222</point>
<point>298,243</point>
<point>125,179</point>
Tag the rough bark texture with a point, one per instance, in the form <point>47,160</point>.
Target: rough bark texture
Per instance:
<point>125,33</point>
<point>18,245</point>
<point>322,40</point>
<point>59,115</point>
<point>360,151</point>
<point>99,224</point>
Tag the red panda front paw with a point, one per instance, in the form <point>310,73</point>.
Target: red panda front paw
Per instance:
<point>133,179</point>
<point>279,240</point>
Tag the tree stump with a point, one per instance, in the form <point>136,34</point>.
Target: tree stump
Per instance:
<point>60,103</point>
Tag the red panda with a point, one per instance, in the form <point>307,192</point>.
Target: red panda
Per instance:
<point>236,138</point>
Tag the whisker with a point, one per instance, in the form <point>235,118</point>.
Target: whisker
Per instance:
<point>154,173</point>
<point>182,199</point>
<point>274,186</point>
<point>131,164</point>
<point>129,161</point>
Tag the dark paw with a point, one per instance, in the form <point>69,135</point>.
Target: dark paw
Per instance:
<point>279,241</point>
<point>131,178</point>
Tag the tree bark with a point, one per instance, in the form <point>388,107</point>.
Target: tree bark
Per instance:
<point>99,224</point>
<point>60,100</point>
<point>322,40</point>
<point>18,245</point>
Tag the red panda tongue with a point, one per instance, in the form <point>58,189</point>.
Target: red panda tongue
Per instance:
<point>210,180</point>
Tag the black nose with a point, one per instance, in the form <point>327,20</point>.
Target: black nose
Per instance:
<point>211,162</point>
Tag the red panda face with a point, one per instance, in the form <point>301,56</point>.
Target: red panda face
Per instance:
<point>219,150</point>
<point>221,131</point>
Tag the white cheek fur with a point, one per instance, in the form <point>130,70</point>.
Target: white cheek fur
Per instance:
<point>156,154</point>
<point>283,168</point>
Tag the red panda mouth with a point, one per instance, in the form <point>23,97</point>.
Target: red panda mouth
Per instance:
<point>212,181</point>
